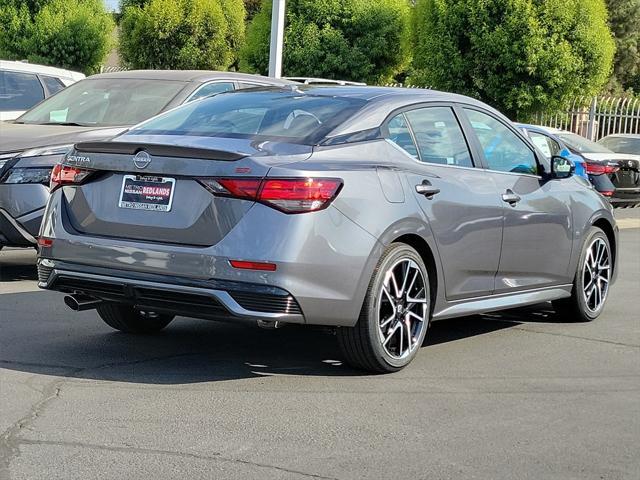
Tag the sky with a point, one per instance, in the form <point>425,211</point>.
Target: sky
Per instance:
<point>111,4</point>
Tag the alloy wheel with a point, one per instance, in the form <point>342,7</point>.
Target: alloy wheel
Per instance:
<point>403,308</point>
<point>596,274</point>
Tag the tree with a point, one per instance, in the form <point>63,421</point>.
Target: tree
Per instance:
<point>521,56</point>
<point>73,34</point>
<point>182,34</point>
<point>340,39</point>
<point>624,20</point>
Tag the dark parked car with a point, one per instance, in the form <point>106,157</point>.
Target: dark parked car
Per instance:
<point>372,210</point>
<point>95,108</point>
<point>622,169</point>
<point>622,143</point>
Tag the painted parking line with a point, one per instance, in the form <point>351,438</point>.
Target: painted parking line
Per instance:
<point>628,223</point>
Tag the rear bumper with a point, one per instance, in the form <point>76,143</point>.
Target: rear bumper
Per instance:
<point>208,299</point>
<point>21,212</point>
<point>623,196</point>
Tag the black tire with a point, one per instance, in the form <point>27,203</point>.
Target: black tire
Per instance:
<point>575,308</point>
<point>126,319</point>
<point>361,345</point>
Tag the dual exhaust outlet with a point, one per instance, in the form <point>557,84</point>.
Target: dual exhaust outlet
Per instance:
<point>79,303</point>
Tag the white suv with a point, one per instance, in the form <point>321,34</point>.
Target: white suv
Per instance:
<point>22,85</point>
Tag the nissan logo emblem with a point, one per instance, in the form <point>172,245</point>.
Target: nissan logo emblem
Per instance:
<point>141,159</point>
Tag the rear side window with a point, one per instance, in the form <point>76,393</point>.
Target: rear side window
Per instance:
<point>211,89</point>
<point>19,91</point>
<point>400,134</point>
<point>285,115</point>
<point>503,150</point>
<point>439,137</point>
<point>53,84</point>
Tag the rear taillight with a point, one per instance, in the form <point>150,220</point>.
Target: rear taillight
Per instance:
<point>67,175</point>
<point>608,193</point>
<point>601,168</point>
<point>289,195</point>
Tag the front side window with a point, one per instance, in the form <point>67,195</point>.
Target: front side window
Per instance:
<point>19,91</point>
<point>211,89</point>
<point>439,137</point>
<point>288,116</point>
<point>547,145</point>
<point>503,150</point>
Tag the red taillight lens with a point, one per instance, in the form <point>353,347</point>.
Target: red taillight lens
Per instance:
<point>290,195</point>
<point>297,195</point>
<point>67,175</point>
<point>608,193</point>
<point>601,168</point>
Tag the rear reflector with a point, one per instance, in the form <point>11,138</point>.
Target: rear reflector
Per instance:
<point>67,175</point>
<point>241,264</point>
<point>45,242</point>
<point>289,195</point>
<point>608,193</point>
<point>601,168</point>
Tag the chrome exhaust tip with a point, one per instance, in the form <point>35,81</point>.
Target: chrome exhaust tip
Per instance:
<point>80,303</point>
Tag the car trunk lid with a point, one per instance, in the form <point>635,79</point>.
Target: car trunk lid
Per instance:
<point>153,192</point>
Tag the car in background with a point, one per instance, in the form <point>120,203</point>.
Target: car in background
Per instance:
<point>98,107</point>
<point>324,81</point>
<point>622,169</point>
<point>368,210</point>
<point>622,143</point>
<point>23,85</point>
<point>550,145</point>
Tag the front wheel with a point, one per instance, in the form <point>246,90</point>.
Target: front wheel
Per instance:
<point>395,315</point>
<point>591,282</point>
<point>129,320</point>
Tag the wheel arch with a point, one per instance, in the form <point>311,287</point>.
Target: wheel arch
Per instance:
<point>424,250</point>
<point>606,226</point>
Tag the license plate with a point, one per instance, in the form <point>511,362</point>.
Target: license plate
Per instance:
<point>147,193</point>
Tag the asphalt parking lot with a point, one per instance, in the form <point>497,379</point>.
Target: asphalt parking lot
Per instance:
<point>521,394</point>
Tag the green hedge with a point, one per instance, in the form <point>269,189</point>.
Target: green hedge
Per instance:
<point>73,34</point>
<point>182,34</point>
<point>521,56</point>
<point>340,39</point>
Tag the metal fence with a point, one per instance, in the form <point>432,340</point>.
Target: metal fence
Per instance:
<point>596,117</point>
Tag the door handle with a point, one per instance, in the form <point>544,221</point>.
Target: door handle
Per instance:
<point>426,189</point>
<point>510,197</point>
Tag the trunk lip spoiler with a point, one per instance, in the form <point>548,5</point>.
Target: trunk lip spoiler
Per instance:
<point>160,150</point>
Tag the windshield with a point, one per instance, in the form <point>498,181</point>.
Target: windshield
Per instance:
<point>622,144</point>
<point>104,102</point>
<point>581,144</point>
<point>266,114</point>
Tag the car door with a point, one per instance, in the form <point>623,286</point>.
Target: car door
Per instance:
<point>458,199</point>
<point>537,235</point>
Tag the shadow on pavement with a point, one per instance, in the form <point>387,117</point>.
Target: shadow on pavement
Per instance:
<point>17,266</point>
<point>49,339</point>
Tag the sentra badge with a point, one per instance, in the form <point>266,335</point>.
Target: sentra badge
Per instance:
<point>78,159</point>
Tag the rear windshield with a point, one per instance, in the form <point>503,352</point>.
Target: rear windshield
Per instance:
<point>103,102</point>
<point>581,144</point>
<point>266,114</point>
<point>622,144</point>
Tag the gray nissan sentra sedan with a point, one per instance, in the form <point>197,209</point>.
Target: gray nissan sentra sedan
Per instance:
<point>371,210</point>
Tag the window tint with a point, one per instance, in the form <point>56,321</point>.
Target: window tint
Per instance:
<point>19,91</point>
<point>400,134</point>
<point>210,89</point>
<point>105,101</point>
<point>547,145</point>
<point>439,136</point>
<point>622,144</point>
<point>53,84</point>
<point>251,85</point>
<point>289,116</point>
<point>503,150</point>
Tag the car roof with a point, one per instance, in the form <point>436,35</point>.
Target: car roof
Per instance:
<point>188,76</point>
<point>622,135</point>
<point>42,69</point>
<point>542,128</point>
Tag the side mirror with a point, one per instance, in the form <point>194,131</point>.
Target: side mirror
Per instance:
<point>561,167</point>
